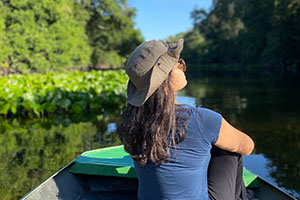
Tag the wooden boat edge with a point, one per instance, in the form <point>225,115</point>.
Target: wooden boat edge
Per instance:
<point>47,180</point>
<point>40,187</point>
<point>265,182</point>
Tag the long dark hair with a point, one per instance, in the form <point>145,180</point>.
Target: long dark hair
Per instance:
<point>149,131</point>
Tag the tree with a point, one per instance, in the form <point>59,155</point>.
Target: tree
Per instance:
<point>111,31</point>
<point>42,35</point>
<point>38,36</point>
<point>221,26</point>
<point>250,33</point>
<point>5,49</point>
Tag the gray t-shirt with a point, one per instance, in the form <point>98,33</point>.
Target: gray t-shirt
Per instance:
<point>186,177</point>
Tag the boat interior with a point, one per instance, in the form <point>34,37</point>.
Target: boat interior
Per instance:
<point>68,186</point>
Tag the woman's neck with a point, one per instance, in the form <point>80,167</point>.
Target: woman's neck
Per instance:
<point>174,99</point>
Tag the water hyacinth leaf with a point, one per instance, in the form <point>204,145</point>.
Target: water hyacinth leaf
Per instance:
<point>44,106</point>
<point>83,104</point>
<point>4,109</point>
<point>76,107</point>
<point>28,96</point>
<point>58,95</point>
<point>94,105</point>
<point>36,109</point>
<point>51,107</point>
<point>13,107</point>
<point>26,104</point>
<point>54,91</point>
<point>66,103</point>
<point>50,96</point>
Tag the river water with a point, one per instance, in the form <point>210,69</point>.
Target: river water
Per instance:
<point>267,109</point>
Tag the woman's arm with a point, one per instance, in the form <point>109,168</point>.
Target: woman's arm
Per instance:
<point>233,140</point>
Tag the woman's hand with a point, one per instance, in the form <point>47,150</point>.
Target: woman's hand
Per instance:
<point>233,140</point>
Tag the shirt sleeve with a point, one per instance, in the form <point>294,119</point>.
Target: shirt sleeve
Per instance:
<point>211,123</point>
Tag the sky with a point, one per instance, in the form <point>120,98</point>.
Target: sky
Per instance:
<point>159,19</point>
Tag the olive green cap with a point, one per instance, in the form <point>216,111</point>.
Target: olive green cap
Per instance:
<point>148,66</point>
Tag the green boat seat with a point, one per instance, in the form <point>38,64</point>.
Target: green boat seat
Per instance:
<point>115,161</point>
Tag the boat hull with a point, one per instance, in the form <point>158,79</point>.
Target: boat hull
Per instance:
<point>69,186</point>
<point>108,174</point>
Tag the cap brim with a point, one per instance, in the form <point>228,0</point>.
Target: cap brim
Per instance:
<point>158,75</point>
<point>136,97</point>
<point>174,49</point>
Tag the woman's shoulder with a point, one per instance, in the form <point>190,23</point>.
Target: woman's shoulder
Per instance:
<point>198,110</point>
<point>207,111</point>
<point>206,122</point>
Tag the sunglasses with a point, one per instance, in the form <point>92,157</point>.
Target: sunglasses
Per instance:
<point>182,65</point>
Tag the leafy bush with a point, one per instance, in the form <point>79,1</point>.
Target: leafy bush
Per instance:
<point>42,35</point>
<point>71,92</point>
<point>111,31</point>
<point>38,36</point>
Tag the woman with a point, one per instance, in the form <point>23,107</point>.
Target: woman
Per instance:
<point>179,151</point>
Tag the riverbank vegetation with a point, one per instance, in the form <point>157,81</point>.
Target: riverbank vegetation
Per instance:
<point>39,95</point>
<point>47,35</point>
<point>234,35</point>
<point>54,104</point>
<point>245,36</point>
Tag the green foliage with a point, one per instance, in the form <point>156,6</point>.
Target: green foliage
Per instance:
<point>5,49</point>
<point>72,92</point>
<point>43,35</point>
<point>39,36</point>
<point>193,45</point>
<point>32,151</point>
<point>247,33</point>
<point>111,31</point>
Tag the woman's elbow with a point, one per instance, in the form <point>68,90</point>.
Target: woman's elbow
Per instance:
<point>250,147</point>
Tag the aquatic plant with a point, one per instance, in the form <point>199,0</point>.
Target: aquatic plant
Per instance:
<point>36,95</point>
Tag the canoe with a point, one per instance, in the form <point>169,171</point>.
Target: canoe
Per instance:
<point>109,174</point>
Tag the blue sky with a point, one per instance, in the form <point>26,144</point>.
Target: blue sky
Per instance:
<point>158,19</point>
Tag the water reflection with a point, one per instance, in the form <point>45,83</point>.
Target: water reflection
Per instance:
<point>262,166</point>
<point>33,150</point>
<point>268,110</point>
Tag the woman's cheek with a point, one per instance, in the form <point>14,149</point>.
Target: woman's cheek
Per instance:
<point>184,83</point>
<point>178,81</point>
